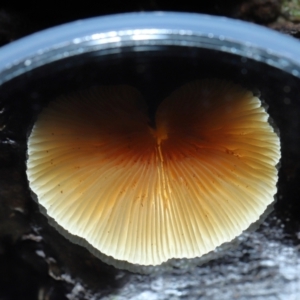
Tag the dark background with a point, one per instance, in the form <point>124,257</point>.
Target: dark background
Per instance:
<point>21,18</point>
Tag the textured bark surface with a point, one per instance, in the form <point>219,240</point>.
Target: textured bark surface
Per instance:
<point>36,262</point>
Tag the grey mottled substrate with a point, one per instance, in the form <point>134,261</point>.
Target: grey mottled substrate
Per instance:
<point>262,267</point>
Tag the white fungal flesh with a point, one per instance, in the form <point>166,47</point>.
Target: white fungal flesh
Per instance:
<point>201,177</point>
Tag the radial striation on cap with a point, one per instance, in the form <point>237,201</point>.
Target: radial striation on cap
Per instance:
<point>143,194</point>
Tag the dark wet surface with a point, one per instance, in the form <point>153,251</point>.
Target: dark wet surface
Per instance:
<point>261,264</point>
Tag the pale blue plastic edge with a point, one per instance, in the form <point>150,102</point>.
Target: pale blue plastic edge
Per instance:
<point>234,30</point>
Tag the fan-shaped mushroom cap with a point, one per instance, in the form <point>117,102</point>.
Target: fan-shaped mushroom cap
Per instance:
<point>144,195</point>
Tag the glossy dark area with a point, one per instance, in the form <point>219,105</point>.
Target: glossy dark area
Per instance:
<point>254,265</point>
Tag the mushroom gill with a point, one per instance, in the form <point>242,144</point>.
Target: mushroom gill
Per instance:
<point>143,194</point>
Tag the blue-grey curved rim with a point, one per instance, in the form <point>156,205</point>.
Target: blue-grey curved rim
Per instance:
<point>152,28</point>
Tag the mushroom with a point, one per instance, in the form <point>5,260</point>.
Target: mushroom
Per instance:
<point>204,173</point>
